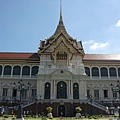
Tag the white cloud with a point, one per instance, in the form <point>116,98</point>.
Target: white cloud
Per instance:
<point>88,42</point>
<point>97,45</point>
<point>118,23</point>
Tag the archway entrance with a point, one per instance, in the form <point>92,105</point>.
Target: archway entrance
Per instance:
<point>61,90</point>
<point>61,110</point>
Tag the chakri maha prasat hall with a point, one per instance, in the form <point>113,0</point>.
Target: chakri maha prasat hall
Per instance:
<point>61,75</point>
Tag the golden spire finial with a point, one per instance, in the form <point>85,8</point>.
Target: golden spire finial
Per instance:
<point>60,21</point>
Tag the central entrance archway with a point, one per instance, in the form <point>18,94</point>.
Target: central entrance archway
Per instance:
<point>61,110</point>
<point>61,90</point>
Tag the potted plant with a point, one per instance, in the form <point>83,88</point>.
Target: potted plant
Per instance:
<point>78,110</point>
<point>49,110</point>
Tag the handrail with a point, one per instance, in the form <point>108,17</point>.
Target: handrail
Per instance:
<point>98,105</point>
<point>27,103</point>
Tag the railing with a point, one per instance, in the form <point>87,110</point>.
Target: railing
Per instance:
<point>19,76</point>
<point>9,98</point>
<point>107,99</point>
<point>28,103</point>
<point>100,99</point>
<point>98,105</point>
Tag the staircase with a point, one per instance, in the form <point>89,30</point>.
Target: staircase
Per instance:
<point>97,105</point>
<point>27,103</point>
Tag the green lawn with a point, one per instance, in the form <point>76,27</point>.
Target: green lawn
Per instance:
<point>70,118</point>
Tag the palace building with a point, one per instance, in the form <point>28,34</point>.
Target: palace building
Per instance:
<point>61,75</point>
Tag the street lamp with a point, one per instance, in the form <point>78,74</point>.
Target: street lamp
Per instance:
<point>21,88</point>
<point>91,101</point>
<point>119,110</point>
<point>117,89</point>
<point>36,105</point>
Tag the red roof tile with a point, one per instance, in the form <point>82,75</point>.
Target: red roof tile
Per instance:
<point>5,55</point>
<point>102,57</point>
<point>18,55</point>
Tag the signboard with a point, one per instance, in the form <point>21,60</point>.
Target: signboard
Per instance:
<point>115,89</point>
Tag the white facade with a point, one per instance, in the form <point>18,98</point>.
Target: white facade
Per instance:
<point>59,74</point>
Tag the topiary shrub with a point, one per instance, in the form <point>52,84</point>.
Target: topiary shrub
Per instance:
<point>78,109</point>
<point>49,109</point>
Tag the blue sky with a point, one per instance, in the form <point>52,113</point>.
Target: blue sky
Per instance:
<point>24,22</point>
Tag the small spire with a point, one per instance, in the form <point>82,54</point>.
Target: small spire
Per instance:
<point>60,21</point>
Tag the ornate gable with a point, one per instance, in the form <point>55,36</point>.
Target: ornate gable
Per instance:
<point>72,45</point>
<point>60,49</point>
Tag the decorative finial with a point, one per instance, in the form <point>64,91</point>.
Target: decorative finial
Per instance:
<point>60,21</point>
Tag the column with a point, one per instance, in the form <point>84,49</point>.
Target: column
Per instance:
<point>69,92</point>
<point>82,90</point>
<point>2,71</point>
<point>117,73</point>
<point>108,74</point>
<point>11,71</point>
<point>71,83</point>
<point>90,73</point>
<point>40,88</point>
<point>21,72</point>
<point>110,93</point>
<point>30,71</point>
<point>53,89</point>
<point>1,90</point>
<point>10,91</point>
<point>99,74</point>
<point>100,96</point>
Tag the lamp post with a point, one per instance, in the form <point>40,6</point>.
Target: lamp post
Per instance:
<point>36,105</point>
<point>20,88</point>
<point>119,110</point>
<point>117,89</point>
<point>40,104</point>
<point>111,108</point>
<point>107,110</point>
<point>91,101</point>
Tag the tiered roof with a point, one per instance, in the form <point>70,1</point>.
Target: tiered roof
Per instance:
<point>60,30</point>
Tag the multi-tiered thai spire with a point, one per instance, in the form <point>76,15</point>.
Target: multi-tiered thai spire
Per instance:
<point>61,28</point>
<point>61,20</point>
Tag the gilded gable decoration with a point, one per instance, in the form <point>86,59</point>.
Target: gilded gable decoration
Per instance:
<point>61,55</point>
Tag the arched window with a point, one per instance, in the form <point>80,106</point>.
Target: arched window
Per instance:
<point>26,70</point>
<point>87,71</point>
<point>7,70</point>
<point>61,90</point>
<point>119,71</point>
<point>47,90</point>
<point>95,71</point>
<point>104,71</point>
<point>14,93</point>
<point>75,91</point>
<point>0,70</point>
<point>112,72</point>
<point>16,70</point>
<point>34,70</point>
